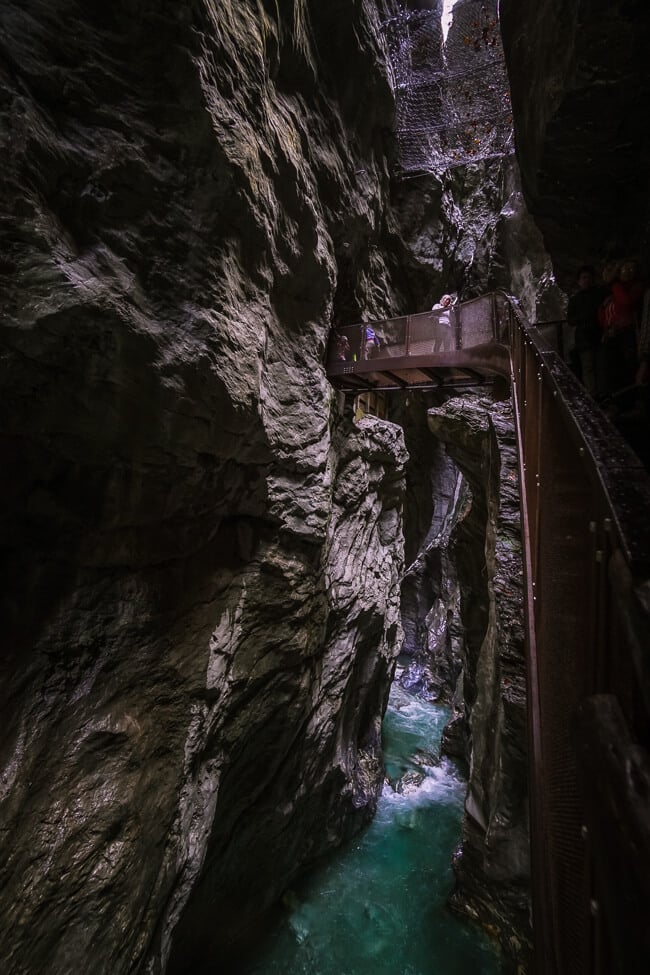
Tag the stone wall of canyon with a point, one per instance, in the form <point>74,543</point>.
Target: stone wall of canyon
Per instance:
<point>201,553</point>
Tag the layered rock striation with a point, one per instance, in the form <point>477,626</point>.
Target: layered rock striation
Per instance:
<point>462,227</point>
<point>200,557</point>
<point>463,623</point>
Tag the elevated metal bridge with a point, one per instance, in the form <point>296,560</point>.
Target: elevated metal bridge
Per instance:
<point>585,514</point>
<point>465,346</point>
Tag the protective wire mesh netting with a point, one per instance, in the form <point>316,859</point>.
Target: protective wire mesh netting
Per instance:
<point>452,93</point>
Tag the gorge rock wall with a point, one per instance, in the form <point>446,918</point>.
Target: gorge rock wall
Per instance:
<point>492,864</point>
<point>462,614</point>
<point>200,558</point>
<point>435,493</point>
<point>578,75</point>
<point>466,228</point>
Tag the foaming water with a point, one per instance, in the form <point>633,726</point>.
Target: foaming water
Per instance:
<point>377,906</point>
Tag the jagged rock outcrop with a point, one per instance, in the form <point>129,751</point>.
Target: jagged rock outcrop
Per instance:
<point>200,563</point>
<point>466,228</point>
<point>484,549</point>
<point>307,762</point>
<point>463,623</point>
<point>200,559</point>
<point>434,493</point>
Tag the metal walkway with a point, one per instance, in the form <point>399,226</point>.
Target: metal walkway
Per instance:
<point>585,513</point>
<point>466,348</point>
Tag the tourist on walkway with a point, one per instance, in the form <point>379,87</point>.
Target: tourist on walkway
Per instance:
<point>443,338</point>
<point>582,316</point>
<point>619,316</point>
<point>372,343</point>
<point>341,347</point>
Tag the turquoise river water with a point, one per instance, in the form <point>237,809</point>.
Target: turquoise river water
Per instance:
<point>377,906</point>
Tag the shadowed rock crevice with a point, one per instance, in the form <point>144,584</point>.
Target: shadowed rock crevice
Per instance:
<point>462,617</point>
<point>578,74</point>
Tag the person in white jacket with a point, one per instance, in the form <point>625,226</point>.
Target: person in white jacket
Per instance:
<point>444,338</point>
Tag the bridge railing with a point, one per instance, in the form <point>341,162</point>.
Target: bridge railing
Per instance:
<point>586,530</point>
<point>472,323</point>
<point>585,503</point>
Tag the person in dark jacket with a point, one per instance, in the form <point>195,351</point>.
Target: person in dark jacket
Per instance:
<point>582,315</point>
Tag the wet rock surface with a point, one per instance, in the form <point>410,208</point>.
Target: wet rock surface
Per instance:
<point>492,865</point>
<point>468,231</point>
<point>315,727</point>
<point>200,558</point>
<point>429,585</point>
<point>201,555</point>
<point>466,228</point>
<point>462,607</point>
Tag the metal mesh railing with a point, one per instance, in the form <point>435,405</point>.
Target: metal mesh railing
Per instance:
<point>585,509</point>
<point>451,88</point>
<point>465,326</point>
<point>586,542</point>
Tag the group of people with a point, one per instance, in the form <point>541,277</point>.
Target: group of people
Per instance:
<point>609,315</point>
<point>343,349</point>
<point>442,338</point>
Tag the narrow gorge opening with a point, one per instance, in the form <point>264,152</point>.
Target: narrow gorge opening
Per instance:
<point>211,567</point>
<point>381,904</point>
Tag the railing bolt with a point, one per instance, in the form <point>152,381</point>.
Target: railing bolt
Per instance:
<point>594,906</point>
<point>584,832</point>
<point>581,451</point>
<point>592,527</point>
<point>607,524</point>
<point>554,393</point>
<point>599,555</point>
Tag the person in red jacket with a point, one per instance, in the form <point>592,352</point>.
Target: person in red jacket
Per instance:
<point>622,307</point>
<point>619,317</point>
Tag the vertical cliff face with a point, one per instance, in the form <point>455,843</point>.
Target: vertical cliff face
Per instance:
<point>578,72</point>
<point>200,560</point>
<point>461,228</point>
<point>201,556</point>
<point>462,616</point>
<point>435,494</point>
<point>492,865</point>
